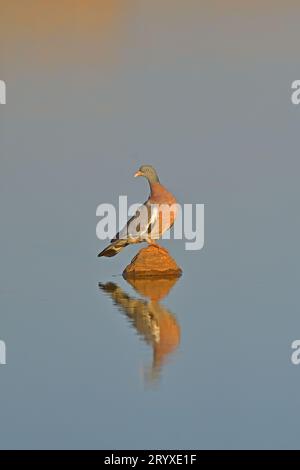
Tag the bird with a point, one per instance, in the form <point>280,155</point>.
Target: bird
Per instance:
<point>150,221</point>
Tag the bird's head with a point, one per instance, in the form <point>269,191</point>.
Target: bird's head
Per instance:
<point>148,172</point>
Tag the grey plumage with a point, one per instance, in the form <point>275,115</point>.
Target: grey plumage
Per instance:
<point>136,230</point>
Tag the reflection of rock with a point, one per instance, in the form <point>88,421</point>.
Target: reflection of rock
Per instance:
<point>153,321</point>
<point>152,261</point>
<point>153,288</point>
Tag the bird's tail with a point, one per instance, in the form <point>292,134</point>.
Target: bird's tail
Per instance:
<point>114,248</point>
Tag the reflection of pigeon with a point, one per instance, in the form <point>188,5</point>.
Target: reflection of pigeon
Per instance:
<point>151,219</point>
<point>157,325</point>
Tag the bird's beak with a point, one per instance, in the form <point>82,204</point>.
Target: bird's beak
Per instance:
<point>138,173</point>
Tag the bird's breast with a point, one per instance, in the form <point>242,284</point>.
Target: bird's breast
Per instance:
<point>167,209</point>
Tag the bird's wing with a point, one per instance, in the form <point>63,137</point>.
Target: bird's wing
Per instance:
<point>140,223</point>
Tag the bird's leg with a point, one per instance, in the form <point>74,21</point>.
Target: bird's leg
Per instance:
<point>159,247</point>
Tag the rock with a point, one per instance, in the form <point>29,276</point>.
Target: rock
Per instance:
<point>152,262</point>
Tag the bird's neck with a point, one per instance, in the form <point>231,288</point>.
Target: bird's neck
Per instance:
<point>155,189</point>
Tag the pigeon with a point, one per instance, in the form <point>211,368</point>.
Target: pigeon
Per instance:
<point>151,220</point>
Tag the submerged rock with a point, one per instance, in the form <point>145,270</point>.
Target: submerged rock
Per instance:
<point>152,261</point>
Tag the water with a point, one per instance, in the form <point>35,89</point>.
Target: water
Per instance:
<point>204,363</point>
<point>152,321</point>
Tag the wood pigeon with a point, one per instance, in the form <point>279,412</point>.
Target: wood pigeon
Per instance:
<point>151,219</point>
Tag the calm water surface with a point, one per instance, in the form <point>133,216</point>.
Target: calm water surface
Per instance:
<point>203,94</point>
